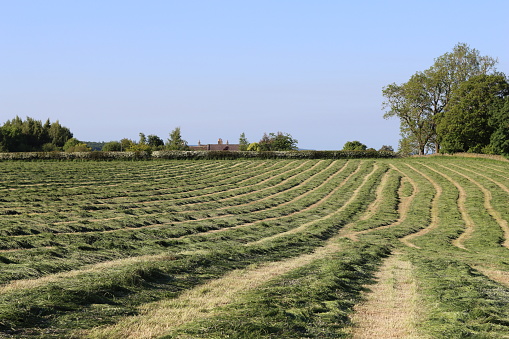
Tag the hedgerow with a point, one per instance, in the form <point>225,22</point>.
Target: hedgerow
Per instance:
<point>196,155</point>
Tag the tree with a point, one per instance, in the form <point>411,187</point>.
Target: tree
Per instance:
<point>421,102</point>
<point>58,134</point>
<point>448,72</point>
<point>3,147</point>
<point>74,145</point>
<point>112,146</point>
<point>176,142</point>
<point>407,145</point>
<point>154,141</point>
<point>126,144</point>
<point>465,126</point>
<point>243,143</point>
<point>253,147</point>
<point>409,102</point>
<point>143,139</point>
<point>499,140</point>
<point>14,140</point>
<point>32,135</point>
<point>354,146</point>
<point>386,148</point>
<point>277,142</point>
<point>283,142</point>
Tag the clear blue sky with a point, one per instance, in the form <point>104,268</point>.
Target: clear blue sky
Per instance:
<point>314,69</point>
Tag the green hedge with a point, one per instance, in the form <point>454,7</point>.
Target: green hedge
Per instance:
<point>195,155</point>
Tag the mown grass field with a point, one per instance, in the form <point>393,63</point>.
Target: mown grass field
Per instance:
<point>409,248</point>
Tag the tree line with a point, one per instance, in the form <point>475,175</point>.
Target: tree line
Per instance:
<point>19,135</point>
<point>459,104</point>
<point>30,135</point>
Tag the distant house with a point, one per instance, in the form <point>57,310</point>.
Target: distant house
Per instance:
<point>220,146</point>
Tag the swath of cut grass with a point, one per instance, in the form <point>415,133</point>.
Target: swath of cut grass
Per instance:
<point>160,317</point>
<point>469,222</point>
<point>489,207</point>
<point>434,212</point>
<point>403,209</point>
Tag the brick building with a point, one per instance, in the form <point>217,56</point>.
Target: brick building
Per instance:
<point>220,146</point>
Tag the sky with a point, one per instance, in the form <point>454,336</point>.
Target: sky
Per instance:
<point>217,68</point>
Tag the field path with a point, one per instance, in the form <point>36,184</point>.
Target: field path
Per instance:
<point>392,308</point>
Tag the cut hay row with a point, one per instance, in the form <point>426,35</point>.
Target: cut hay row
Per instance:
<point>278,248</point>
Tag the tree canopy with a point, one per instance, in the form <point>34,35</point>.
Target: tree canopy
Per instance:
<point>277,142</point>
<point>467,125</point>
<point>18,135</point>
<point>175,142</point>
<point>354,146</point>
<point>425,99</point>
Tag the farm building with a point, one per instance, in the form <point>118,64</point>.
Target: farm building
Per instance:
<point>220,146</point>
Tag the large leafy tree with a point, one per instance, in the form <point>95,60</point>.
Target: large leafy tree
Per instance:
<point>421,102</point>
<point>277,142</point>
<point>354,146</point>
<point>410,103</point>
<point>154,141</point>
<point>175,142</point>
<point>58,134</point>
<point>465,126</point>
<point>112,146</point>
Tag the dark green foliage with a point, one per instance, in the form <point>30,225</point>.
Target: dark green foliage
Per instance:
<point>354,146</point>
<point>154,141</point>
<point>421,103</point>
<point>112,146</point>
<point>197,155</point>
<point>499,141</point>
<point>467,125</point>
<point>94,145</point>
<point>277,142</point>
<point>30,135</point>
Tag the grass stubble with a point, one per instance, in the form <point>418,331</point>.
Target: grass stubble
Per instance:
<point>426,288</point>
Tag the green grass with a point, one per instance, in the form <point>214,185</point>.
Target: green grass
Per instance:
<point>101,239</point>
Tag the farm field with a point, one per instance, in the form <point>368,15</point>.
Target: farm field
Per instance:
<point>389,248</point>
